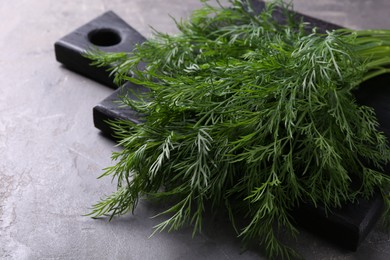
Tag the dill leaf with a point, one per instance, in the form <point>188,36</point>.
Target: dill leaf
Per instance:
<point>251,115</point>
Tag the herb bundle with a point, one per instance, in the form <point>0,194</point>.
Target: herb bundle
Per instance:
<point>250,115</point>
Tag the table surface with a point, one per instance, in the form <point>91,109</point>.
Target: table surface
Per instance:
<point>51,154</point>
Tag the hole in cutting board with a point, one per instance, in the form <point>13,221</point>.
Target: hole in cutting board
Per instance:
<point>104,37</point>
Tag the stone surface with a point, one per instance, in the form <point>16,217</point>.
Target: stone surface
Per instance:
<point>51,154</point>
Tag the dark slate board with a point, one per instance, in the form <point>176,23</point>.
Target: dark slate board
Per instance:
<point>346,227</point>
<point>110,109</point>
<point>107,32</point>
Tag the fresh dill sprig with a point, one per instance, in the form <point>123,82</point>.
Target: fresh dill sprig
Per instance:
<point>252,116</point>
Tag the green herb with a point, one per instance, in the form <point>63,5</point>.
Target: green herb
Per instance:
<point>252,116</point>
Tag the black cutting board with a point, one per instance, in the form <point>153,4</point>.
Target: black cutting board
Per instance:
<point>346,227</point>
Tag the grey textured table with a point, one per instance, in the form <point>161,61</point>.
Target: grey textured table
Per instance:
<point>51,154</point>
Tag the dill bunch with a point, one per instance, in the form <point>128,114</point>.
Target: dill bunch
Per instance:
<point>251,116</point>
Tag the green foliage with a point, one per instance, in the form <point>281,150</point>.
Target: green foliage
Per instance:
<point>250,115</point>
